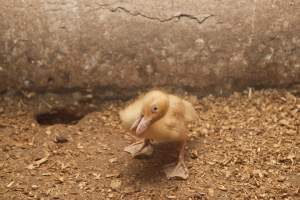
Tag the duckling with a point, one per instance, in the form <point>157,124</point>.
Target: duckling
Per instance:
<point>161,117</point>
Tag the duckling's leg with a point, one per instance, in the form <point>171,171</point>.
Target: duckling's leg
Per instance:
<point>140,149</point>
<point>179,170</point>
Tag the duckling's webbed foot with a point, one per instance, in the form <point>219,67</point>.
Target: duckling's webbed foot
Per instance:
<point>179,169</point>
<point>141,149</point>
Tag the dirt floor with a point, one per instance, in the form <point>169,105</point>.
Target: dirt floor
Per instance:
<point>245,146</point>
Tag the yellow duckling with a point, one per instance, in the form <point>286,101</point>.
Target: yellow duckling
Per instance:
<point>161,117</point>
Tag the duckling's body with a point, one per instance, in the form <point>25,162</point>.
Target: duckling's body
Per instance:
<point>161,117</point>
<point>167,128</point>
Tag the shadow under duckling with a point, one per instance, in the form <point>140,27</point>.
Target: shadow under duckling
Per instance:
<point>161,117</point>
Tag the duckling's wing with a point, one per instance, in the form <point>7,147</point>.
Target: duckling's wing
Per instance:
<point>182,108</point>
<point>129,115</point>
<point>190,113</point>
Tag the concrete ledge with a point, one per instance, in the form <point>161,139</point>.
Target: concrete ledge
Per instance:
<point>206,46</point>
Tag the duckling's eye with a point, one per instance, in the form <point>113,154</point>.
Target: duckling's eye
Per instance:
<point>154,109</point>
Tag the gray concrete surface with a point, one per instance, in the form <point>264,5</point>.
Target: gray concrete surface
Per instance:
<point>208,46</point>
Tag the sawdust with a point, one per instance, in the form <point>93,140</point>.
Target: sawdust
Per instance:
<point>245,146</point>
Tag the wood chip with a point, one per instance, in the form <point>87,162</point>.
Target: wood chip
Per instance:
<point>115,184</point>
<point>114,174</point>
<point>37,163</point>
<point>171,197</point>
<point>10,184</point>
<point>46,174</point>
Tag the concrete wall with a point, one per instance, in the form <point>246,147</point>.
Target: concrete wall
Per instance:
<point>205,45</point>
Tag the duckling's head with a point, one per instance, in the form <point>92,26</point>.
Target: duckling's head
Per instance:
<point>156,104</point>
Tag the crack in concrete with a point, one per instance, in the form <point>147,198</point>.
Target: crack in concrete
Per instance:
<point>136,13</point>
<point>252,23</point>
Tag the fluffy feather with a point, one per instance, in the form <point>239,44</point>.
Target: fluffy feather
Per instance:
<point>171,126</point>
<point>131,113</point>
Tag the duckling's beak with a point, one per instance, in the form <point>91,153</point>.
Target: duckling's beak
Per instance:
<point>143,124</point>
<point>136,123</point>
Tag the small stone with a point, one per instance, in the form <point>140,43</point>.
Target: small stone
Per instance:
<point>199,196</point>
<point>194,154</point>
<point>200,43</point>
<point>31,194</point>
<point>1,110</point>
<point>34,187</point>
<point>60,179</point>
<point>258,173</point>
<point>227,174</point>
<point>89,96</point>
<point>29,95</point>
<point>110,195</point>
<point>48,132</point>
<point>60,139</point>
<point>204,131</point>
<point>284,122</point>
<point>115,184</point>
<point>149,69</point>
<point>281,179</point>
<point>79,146</point>
<point>229,139</point>
<point>113,160</point>
<point>222,187</point>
